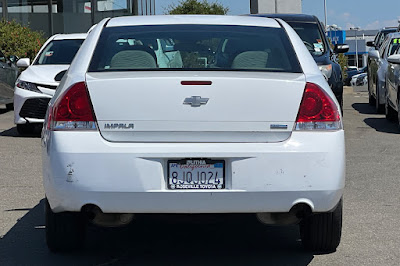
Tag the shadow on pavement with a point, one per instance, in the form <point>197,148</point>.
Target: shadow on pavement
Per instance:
<point>382,125</point>
<point>231,240</point>
<point>12,132</point>
<point>364,108</point>
<point>4,110</point>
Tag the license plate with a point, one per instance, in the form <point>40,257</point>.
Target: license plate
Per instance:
<point>196,174</point>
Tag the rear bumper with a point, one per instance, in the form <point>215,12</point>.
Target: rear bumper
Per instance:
<point>82,168</point>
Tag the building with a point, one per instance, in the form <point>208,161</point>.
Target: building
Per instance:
<point>70,16</point>
<point>360,48</point>
<point>357,40</point>
<point>275,6</point>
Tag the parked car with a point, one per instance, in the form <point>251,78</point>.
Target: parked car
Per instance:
<point>377,68</point>
<point>37,84</point>
<point>359,80</point>
<point>380,37</point>
<point>241,128</point>
<point>392,105</point>
<point>352,72</point>
<point>8,74</point>
<point>312,32</point>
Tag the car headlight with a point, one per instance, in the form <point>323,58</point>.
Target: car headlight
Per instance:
<point>27,86</point>
<point>326,70</point>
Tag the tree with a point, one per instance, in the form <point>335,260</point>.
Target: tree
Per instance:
<point>197,7</point>
<point>19,40</point>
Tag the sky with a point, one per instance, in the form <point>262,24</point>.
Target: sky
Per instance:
<point>366,14</point>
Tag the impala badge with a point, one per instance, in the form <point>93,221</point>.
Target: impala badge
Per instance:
<point>196,101</point>
<point>118,126</point>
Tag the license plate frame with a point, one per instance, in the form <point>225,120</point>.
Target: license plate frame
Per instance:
<point>218,174</point>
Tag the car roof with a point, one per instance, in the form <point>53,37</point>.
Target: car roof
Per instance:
<point>391,29</point>
<point>70,36</point>
<point>192,19</point>
<point>290,17</point>
<point>394,35</point>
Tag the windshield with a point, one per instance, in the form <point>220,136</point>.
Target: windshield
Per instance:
<point>59,52</point>
<point>194,47</point>
<point>311,36</point>
<point>382,36</point>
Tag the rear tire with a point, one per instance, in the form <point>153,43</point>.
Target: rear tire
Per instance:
<point>25,129</point>
<point>322,231</point>
<point>380,108</point>
<point>64,231</point>
<point>390,113</point>
<point>371,99</point>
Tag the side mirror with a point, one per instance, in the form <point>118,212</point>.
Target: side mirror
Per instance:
<point>341,48</point>
<point>60,75</point>
<point>370,44</point>
<point>394,59</point>
<point>374,54</point>
<point>24,62</point>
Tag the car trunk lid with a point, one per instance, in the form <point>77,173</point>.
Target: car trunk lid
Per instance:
<point>154,106</point>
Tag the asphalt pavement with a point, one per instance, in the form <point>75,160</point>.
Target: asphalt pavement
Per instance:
<point>371,234</point>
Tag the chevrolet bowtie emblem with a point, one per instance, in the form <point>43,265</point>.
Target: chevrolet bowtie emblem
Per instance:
<point>195,101</point>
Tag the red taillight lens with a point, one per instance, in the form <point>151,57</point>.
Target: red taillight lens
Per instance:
<point>73,110</point>
<point>317,110</point>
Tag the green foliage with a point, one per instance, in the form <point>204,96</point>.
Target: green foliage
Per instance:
<point>197,7</point>
<point>19,40</point>
<point>342,61</point>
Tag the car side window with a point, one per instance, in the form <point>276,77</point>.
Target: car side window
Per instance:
<point>394,44</point>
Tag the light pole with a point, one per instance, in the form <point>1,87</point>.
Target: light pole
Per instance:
<point>355,33</point>
<point>326,17</point>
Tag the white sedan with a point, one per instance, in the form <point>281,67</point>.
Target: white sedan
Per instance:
<point>193,114</point>
<point>36,85</point>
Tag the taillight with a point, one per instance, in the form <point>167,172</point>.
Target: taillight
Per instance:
<point>73,110</point>
<point>317,111</point>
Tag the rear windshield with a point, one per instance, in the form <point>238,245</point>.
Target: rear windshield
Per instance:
<point>311,36</point>
<point>194,47</point>
<point>59,52</point>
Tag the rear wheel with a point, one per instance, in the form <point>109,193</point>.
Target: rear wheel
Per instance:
<point>390,113</point>
<point>322,231</point>
<point>371,99</point>
<point>64,231</point>
<point>380,108</point>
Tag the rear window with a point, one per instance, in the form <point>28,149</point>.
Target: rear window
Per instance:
<point>194,47</point>
<point>59,52</point>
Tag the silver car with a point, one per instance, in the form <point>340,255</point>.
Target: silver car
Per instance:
<point>378,65</point>
<point>393,84</point>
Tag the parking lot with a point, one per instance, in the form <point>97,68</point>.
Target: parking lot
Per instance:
<point>371,234</point>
